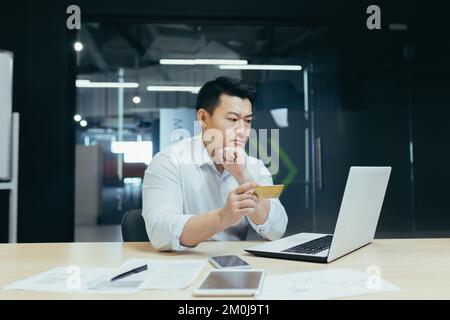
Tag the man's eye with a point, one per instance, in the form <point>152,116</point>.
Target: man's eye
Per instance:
<point>231,119</point>
<point>249,120</point>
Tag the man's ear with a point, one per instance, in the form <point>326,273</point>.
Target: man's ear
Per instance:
<point>202,116</point>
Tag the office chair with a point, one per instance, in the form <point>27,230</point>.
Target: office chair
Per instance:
<point>133,226</point>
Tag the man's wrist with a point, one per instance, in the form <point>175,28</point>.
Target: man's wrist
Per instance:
<point>221,225</point>
<point>244,177</point>
<point>261,215</point>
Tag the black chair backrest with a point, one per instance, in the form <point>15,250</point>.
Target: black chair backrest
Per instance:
<point>133,226</point>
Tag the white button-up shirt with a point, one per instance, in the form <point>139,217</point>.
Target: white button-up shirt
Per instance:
<point>182,181</point>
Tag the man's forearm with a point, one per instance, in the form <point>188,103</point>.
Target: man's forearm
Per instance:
<point>201,227</point>
<point>244,178</point>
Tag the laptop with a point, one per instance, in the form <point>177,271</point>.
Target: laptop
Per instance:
<point>355,226</point>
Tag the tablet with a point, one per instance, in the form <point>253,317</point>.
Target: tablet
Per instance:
<point>231,282</point>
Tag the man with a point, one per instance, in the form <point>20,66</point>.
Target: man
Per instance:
<point>201,188</point>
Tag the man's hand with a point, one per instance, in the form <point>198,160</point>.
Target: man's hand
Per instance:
<point>240,202</point>
<point>233,159</point>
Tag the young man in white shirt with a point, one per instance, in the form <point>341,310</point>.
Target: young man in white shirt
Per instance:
<point>201,188</point>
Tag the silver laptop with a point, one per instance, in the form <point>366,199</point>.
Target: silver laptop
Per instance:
<point>355,226</point>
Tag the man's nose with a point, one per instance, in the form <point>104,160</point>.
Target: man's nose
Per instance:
<point>241,125</point>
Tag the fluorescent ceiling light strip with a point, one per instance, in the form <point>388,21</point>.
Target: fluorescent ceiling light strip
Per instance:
<point>174,88</point>
<point>89,84</point>
<point>202,61</point>
<point>221,61</point>
<point>262,67</point>
<point>177,61</point>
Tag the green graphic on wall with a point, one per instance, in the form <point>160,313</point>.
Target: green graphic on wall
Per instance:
<point>292,170</point>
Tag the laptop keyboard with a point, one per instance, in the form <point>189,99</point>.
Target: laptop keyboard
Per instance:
<point>313,246</point>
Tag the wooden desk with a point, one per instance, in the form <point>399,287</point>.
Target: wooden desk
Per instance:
<point>420,267</point>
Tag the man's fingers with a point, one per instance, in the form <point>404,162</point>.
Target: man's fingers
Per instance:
<point>251,191</point>
<point>248,203</point>
<point>226,156</point>
<point>246,211</point>
<point>230,156</point>
<point>245,187</point>
<point>240,157</point>
<point>247,195</point>
<point>230,159</point>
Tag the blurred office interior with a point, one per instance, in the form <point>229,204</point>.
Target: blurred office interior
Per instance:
<point>348,96</point>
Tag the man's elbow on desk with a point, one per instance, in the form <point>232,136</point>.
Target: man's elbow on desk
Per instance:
<point>168,243</point>
<point>160,242</point>
<point>161,246</point>
<point>162,232</point>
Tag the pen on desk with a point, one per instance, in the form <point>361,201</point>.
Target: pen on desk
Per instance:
<point>128,273</point>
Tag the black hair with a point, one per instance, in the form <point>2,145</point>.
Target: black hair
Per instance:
<point>209,94</point>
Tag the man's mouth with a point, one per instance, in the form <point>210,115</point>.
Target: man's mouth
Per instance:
<point>238,141</point>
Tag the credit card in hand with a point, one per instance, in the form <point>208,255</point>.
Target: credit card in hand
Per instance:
<point>265,192</point>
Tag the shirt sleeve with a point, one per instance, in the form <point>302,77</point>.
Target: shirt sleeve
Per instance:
<point>275,225</point>
<point>162,204</point>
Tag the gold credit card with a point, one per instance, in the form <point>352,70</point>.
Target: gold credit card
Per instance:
<point>265,192</point>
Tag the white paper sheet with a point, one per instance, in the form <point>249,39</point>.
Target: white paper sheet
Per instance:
<point>165,274</point>
<point>70,279</point>
<point>328,284</point>
<point>161,274</point>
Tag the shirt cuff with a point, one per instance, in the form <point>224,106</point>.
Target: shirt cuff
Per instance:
<point>176,245</point>
<point>262,228</point>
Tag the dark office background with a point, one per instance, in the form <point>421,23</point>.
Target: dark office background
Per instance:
<point>376,93</point>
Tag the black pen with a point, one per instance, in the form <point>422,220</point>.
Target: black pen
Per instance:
<point>132,271</point>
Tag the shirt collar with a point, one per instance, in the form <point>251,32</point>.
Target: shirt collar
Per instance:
<point>201,155</point>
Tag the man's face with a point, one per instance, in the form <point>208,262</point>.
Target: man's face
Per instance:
<point>232,117</point>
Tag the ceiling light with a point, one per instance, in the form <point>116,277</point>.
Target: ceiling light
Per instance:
<point>262,67</point>
<point>174,88</point>
<point>202,61</point>
<point>89,84</point>
<point>136,99</point>
<point>78,46</point>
